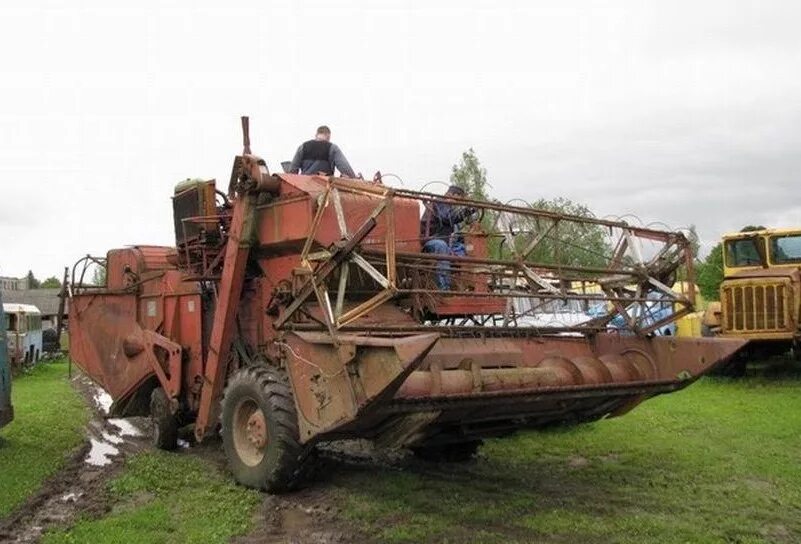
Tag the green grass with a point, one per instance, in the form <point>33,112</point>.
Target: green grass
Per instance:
<point>48,425</point>
<point>165,498</point>
<point>718,462</point>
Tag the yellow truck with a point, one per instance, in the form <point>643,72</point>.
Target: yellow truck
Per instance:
<point>760,296</point>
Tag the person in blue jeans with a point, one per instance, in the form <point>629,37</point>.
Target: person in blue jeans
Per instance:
<point>439,232</point>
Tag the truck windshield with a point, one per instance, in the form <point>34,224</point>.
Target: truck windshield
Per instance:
<point>785,249</point>
<point>742,252</point>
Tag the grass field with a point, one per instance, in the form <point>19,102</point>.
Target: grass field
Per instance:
<point>166,498</point>
<point>48,425</point>
<point>718,462</point>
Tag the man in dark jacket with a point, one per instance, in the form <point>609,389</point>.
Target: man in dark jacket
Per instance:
<point>321,156</point>
<point>439,232</point>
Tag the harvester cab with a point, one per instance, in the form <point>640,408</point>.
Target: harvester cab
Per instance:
<point>298,309</point>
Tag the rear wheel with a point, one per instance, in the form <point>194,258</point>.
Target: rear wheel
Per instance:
<point>165,424</point>
<point>260,429</point>
<point>449,453</point>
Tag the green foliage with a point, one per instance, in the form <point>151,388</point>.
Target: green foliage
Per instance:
<point>33,283</point>
<point>168,497</point>
<point>569,243</point>
<point>717,462</point>
<point>470,176</point>
<point>99,275</point>
<point>752,228</point>
<point>51,283</point>
<point>48,424</point>
<point>709,273</point>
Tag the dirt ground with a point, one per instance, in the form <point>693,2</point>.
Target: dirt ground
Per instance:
<point>308,515</point>
<point>79,489</point>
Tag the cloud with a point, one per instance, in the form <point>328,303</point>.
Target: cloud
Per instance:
<point>678,112</point>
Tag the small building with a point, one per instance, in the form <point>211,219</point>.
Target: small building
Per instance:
<point>8,283</point>
<point>47,300</point>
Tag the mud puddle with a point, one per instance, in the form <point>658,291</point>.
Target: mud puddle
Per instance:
<point>309,515</point>
<point>79,487</point>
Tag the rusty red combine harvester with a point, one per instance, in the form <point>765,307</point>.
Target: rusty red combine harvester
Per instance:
<point>296,310</point>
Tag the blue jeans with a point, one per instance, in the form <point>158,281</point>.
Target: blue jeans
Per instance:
<point>440,247</point>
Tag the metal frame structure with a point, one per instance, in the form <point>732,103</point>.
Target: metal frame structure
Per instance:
<point>627,280</point>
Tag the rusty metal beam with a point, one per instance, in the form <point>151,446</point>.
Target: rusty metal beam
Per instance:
<point>229,292</point>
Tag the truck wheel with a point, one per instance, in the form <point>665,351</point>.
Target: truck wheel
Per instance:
<point>448,453</point>
<point>165,424</point>
<point>260,429</point>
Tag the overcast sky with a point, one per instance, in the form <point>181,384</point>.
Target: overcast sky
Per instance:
<point>679,112</point>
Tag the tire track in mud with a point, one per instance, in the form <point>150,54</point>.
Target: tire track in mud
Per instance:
<point>79,488</point>
<point>311,514</point>
<point>308,515</point>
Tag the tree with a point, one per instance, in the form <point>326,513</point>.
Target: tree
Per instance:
<point>710,273</point>
<point>99,276</point>
<point>577,244</point>
<point>470,176</point>
<point>33,283</point>
<point>51,283</point>
<point>569,243</point>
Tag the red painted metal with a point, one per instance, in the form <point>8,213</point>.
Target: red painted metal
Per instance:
<point>233,276</point>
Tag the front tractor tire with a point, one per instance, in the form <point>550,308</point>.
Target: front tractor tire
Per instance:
<point>165,423</point>
<point>260,429</point>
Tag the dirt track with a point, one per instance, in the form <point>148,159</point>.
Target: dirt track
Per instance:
<point>79,489</point>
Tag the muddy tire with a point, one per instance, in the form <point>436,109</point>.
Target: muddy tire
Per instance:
<point>260,430</point>
<point>448,453</point>
<point>165,424</point>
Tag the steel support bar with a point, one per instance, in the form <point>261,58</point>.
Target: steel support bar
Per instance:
<point>230,289</point>
<point>325,269</point>
<point>404,256</point>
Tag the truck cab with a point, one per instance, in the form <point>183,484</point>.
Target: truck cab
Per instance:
<point>6,410</point>
<point>760,295</point>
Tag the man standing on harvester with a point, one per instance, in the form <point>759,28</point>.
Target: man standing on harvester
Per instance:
<point>320,156</point>
<point>439,232</point>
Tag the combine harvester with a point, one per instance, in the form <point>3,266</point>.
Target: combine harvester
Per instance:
<point>300,309</point>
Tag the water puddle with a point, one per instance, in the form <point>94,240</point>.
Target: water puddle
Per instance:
<point>103,400</point>
<point>101,453</point>
<point>126,428</point>
<point>112,438</point>
<point>71,496</point>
